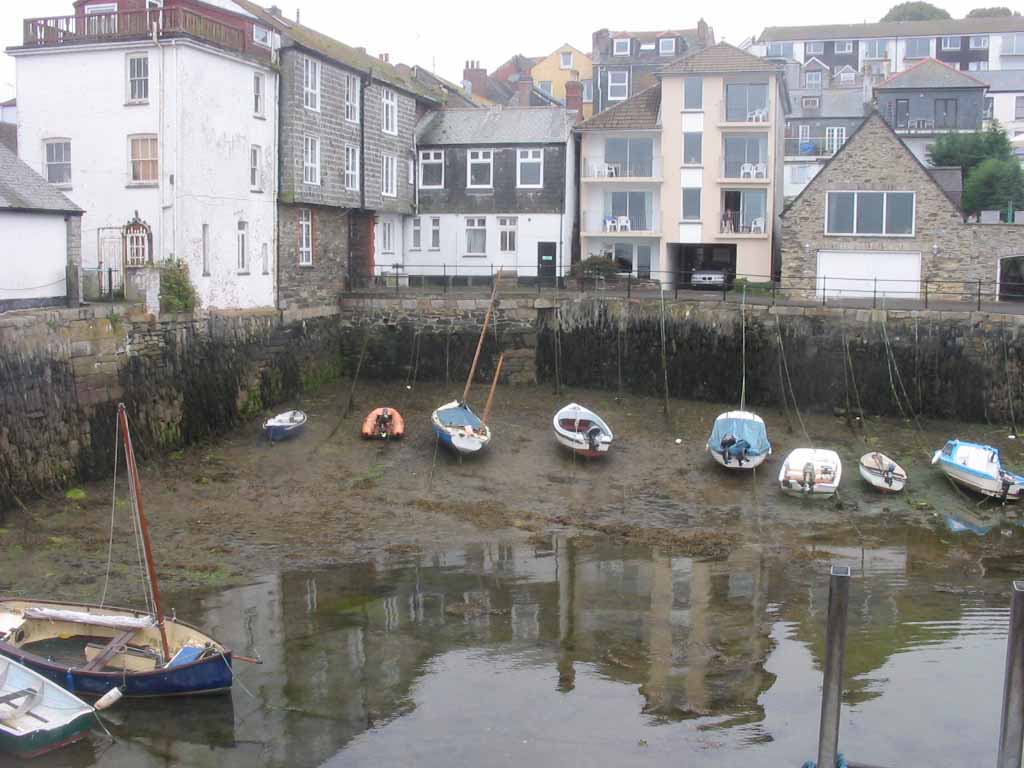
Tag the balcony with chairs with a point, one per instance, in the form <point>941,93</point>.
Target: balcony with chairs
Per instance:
<point>812,146</point>
<point>744,214</point>
<point>745,104</point>
<point>53,31</point>
<point>634,170</point>
<point>616,224</point>
<point>745,158</point>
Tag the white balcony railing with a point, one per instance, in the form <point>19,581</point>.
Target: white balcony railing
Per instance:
<point>599,168</point>
<point>743,170</point>
<point>619,225</point>
<point>812,146</point>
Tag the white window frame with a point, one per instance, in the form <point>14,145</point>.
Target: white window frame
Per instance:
<point>545,86</point>
<point>476,224</point>
<point>587,87</point>
<point>534,155</point>
<point>91,10</point>
<point>618,43</point>
<point>305,237</point>
<point>484,157</point>
<point>561,60</point>
<point>137,245</point>
<point>388,175</point>
<point>311,160</point>
<point>261,35</point>
<point>242,247</point>
<point>951,47</point>
<point>885,193</point>
<point>814,48</point>
<point>781,48</point>
<point>624,84</point>
<point>435,233</point>
<point>1013,44</point>
<point>431,157</point>
<point>803,132</point>
<point>810,102</point>
<point>259,94</point>
<point>353,86</point>
<point>807,79</point>
<point>700,160</point>
<point>311,83</point>
<point>255,168</point>
<point>875,43</point>
<point>906,48</point>
<point>416,242</point>
<point>508,234</point>
<point>835,137</point>
<point>977,66</point>
<point>982,41</point>
<point>151,141</point>
<point>47,143</point>
<point>387,236</point>
<point>669,50</point>
<point>351,167</point>
<point>389,111</point>
<point>129,58</point>
<point>847,77</point>
<point>682,204</point>
<point>847,46</point>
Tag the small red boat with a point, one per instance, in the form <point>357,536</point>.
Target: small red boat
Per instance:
<point>383,424</point>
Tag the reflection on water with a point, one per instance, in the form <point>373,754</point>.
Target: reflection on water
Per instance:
<point>581,652</point>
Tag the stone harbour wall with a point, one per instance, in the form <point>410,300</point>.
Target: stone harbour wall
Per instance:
<point>183,379</point>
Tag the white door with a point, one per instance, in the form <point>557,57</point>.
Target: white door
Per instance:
<point>860,274</point>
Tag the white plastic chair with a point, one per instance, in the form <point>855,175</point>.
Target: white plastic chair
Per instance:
<point>757,225</point>
<point>747,171</point>
<point>761,170</point>
<point>611,170</point>
<point>758,115</point>
<point>611,224</point>
<point>624,224</point>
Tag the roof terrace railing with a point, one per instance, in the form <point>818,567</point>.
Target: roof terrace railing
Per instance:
<point>135,25</point>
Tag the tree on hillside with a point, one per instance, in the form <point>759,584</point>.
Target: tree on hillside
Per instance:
<point>969,150</point>
<point>915,10</point>
<point>993,185</point>
<point>999,10</point>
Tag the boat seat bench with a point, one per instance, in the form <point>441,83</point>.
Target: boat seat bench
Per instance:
<point>100,661</point>
<point>9,698</point>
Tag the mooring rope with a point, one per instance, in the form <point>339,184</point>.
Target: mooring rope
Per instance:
<point>792,394</point>
<point>1009,386</point>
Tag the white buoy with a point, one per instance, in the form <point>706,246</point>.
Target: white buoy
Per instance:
<point>679,441</point>
<point>109,699</point>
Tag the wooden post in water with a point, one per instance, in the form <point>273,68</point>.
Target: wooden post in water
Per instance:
<point>479,344</point>
<point>494,385</point>
<point>664,351</point>
<point>1011,729</point>
<point>147,547</point>
<point>835,653</point>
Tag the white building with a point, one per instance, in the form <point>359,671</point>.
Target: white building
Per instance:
<point>496,190</point>
<point>177,129</point>
<point>1004,100</point>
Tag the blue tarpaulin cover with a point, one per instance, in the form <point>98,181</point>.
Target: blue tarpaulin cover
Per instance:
<point>459,416</point>
<point>753,432</point>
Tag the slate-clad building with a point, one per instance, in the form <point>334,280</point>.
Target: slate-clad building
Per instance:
<point>496,191</point>
<point>347,163</point>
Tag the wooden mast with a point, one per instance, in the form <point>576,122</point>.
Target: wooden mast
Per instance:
<point>480,343</point>
<point>133,471</point>
<point>494,386</point>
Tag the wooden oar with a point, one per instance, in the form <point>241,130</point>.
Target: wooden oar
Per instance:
<point>494,385</point>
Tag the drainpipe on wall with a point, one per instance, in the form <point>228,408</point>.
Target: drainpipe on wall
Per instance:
<point>277,188</point>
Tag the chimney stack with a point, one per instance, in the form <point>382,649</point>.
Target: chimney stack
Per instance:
<point>274,11</point>
<point>524,89</point>
<point>297,13</point>
<point>475,76</point>
<point>384,58</point>
<point>574,99</point>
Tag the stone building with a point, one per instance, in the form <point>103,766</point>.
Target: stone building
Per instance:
<point>347,140</point>
<point>875,222</point>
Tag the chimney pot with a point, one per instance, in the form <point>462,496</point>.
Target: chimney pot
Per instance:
<point>274,11</point>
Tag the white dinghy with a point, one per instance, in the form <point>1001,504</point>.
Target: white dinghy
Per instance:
<point>811,472</point>
<point>583,431</point>
<point>979,468</point>
<point>882,473</point>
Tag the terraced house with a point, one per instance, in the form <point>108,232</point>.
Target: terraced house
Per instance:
<point>347,162</point>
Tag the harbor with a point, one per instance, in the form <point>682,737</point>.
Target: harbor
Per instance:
<point>652,596</point>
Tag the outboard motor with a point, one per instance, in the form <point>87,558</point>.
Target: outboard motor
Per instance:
<point>739,450</point>
<point>384,420</point>
<point>808,482</point>
<point>888,474</point>
<point>593,437</point>
<point>728,441</point>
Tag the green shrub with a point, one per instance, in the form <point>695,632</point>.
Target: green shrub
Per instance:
<point>595,266</point>
<point>177,294</point>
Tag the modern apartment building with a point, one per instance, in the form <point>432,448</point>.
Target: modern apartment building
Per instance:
<point>687,174</point>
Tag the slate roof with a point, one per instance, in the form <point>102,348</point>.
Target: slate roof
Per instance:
<point>717,58</point>
<point>496,125</point>
<point>10,102</point>
<point>22,189</point>
<point>835,102</point>
<point>1002,80</point>
<point>929,73</point>
<point>933,27</point>
<point>455,95</point>
<point>356,59</point>
<point>9,136</point>
<point>638,112</point>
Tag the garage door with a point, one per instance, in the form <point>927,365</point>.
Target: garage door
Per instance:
<point>855,274</point>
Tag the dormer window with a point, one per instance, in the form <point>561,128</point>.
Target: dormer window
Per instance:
<point>620,46</point>
<point>813,79</point>
<point>814,49</point>
<point>565,61</point>
<point>810,102</point>
<point>667,46</point>
<point>261,35</point>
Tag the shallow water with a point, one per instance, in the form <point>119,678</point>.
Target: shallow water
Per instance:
<point>583,652</point>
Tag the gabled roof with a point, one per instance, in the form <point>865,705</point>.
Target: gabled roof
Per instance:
<point>814,59</point>
<point>335,50</point>
<point>933,27</point>
<point>1003,80</point>
<point>691,36</point>
<point>496,125</point>
<point>22,189</point>
<point>720,58</point>
<point>872,120</point>
<point>637,113</point>
<point>929,73</point>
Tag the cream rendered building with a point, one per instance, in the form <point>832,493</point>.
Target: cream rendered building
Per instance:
<point>688,175</point>
<point>567,63</point>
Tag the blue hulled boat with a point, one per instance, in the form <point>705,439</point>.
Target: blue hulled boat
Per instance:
<point>284,425</point>
<point>979,468</point>
<point>459,429</point>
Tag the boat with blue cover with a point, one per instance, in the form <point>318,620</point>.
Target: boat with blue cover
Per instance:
<point>739,440</point>
<point>92,649</point>
<point>284,425</point>
<point>979,468</point>
<point>459,429</point>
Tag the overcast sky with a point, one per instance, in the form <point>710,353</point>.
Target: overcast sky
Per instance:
<point>442,35</point>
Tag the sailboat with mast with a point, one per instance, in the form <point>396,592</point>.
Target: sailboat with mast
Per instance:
<point>92,649</point>
<point>455,424</point>
<point>739,439</point>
